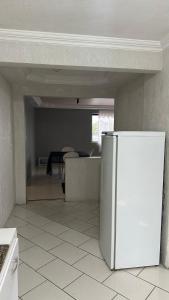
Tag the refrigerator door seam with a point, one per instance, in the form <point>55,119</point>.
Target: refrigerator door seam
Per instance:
<point>115,205</point>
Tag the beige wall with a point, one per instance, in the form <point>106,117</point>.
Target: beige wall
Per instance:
<point>7,197</point>
<point>143,104</point>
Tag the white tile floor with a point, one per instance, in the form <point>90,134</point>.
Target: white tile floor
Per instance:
<point>61,259</point>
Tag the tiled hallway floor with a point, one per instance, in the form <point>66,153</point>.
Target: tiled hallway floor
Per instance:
<point>60,257</point>
<point>44,187</point>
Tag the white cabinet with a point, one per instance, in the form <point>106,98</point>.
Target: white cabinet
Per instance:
<point>9,276</point>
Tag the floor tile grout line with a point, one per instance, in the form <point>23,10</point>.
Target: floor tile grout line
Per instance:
<point>36,270</point>
<point>79,260</point>
<point>142,279</point>
<point>58,285</point>
<point>51,249</point>
<point>134,277</point>
<point>140,272</point>
<point>150,293</point>
<point>45,264</point>
<point>73,281</point>
<point>150,283</point>
<point>34,288</point>
<point>28,222</point>
<point>77,247</point>
<point>58,258</point>
<point>129,273</point>
<point>108,276</point>
<point>71,265</point>
<point>70,242</point>
<point>92,254</point>
<point>112,271</point>
<point>153,284</point>
<point>38,235</point>
<point>83,273</point>
<point>103,282</point>
<point>158,287</point>
<point>79,271</point>
<point>119,294</point>
<point>46,280</point>
<point>42,233</point>
<point>63,242</point>
<point>41,226</point>
<point>84,243</point>
<point>83,231</point>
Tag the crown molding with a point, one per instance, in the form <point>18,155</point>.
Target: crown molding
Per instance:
<point>79,40</point>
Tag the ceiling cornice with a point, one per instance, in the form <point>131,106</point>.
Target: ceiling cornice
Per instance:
<point>79,40</point>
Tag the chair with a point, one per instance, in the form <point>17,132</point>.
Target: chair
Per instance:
<point>91,152</point>
<point>68,149</point>
<point>70,154</point>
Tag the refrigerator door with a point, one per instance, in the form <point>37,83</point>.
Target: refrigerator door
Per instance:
<point>139,201</point>
<point>107,201</point>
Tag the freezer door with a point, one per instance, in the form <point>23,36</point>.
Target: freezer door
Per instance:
<point>107,205</point>
<point>139,201</point>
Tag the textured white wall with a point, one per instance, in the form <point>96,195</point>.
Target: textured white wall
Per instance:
<point>129,106</point>
<point>143,104</point>
<point>19,146</point>
<point>7,197</point>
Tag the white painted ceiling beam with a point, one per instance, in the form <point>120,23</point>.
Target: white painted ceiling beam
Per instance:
<point>72,103</point>
<point>67,91</point>
<point>43,49</point>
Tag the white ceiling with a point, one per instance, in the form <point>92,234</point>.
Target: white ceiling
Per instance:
<point>137,19</point>
<point>51,77</point>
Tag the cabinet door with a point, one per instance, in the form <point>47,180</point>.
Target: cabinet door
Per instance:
<point>9,288</point>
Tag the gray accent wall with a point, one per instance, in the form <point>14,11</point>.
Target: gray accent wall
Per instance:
<point>143,104</point>
<point>56,128</point>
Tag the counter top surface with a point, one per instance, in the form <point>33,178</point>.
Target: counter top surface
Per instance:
<point>7,235</point>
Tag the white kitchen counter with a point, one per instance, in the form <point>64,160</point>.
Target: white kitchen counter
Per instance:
<point>82,179</point>
<point>9,271</point>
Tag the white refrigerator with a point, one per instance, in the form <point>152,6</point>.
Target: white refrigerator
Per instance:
<point>131,198</point>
